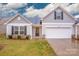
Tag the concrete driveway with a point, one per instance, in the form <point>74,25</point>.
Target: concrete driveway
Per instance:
<point>65,47</point>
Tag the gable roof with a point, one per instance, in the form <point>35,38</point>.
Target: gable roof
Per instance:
<point>16,16</point>
<point>59,7</point>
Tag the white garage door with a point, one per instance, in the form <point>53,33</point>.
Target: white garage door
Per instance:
<point>58,32</point>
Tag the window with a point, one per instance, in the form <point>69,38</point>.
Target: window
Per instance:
<point>58,15</point>
<point>19,30</point>
<point>14,30</point>
<point>23,30</point>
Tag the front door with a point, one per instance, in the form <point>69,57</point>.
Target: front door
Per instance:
<point>37,31</point>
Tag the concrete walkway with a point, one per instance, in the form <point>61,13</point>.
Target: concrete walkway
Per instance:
<point>65,47</point>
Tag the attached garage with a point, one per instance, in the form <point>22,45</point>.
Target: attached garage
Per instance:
<point>58,32</point>
<point>58,24</point>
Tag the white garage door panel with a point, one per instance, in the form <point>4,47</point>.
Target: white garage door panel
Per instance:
<point>58,32</point>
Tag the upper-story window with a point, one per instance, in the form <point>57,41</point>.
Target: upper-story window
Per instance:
<point>58,15</point>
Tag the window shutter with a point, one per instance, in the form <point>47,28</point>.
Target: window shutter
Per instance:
<point>12,29</point>
<point>62,15</point>
<point>55,15</point>
<point>25,30</point>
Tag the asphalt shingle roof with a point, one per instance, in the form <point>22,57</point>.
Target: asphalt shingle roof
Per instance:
<point>34,20</point>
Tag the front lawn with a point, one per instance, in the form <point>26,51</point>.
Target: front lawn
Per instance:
<point>25,48</point>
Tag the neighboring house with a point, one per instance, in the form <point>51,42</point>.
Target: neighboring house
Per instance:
<point>57,24</point>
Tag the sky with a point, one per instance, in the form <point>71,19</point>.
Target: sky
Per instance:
<point>34,9</point>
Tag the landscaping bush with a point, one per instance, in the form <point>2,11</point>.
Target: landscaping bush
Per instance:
<point>28,37</point>
<point>23,37</point>
<point>10,36</point>
<point>18,37</point>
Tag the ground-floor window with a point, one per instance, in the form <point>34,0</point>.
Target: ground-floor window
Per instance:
<point>19,30</point>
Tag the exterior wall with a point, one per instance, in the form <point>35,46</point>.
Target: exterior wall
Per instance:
<point>50,18</point>
<point>8,30</point>
<point>33,31</point>
<point>73,31</point>
<point>41,31</point>
<point>77,30</point>
<point>29,28</point>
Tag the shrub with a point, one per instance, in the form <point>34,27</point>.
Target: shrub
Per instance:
<point>18,37</point>
<point>23,37</point>
<point>10,36</point>
<point>28,37</point>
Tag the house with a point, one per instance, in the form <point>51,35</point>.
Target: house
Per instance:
<point>57,24</point>
<point>23,26</point>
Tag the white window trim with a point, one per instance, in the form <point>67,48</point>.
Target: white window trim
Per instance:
<point>19,30</point>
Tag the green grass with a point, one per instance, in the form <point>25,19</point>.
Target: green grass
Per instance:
<point>26,48</point>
